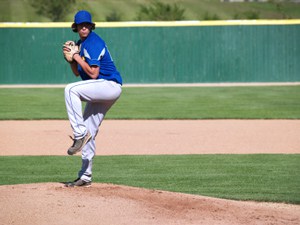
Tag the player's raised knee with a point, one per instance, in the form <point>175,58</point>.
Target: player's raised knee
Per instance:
<point>68,89</point>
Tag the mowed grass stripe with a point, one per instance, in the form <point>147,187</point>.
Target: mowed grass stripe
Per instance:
<point>258,177</point>
<point>273,102</point>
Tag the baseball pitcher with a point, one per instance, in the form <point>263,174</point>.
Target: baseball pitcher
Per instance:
<point>100,88</point>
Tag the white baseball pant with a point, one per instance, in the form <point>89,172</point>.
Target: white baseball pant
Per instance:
<point>99,96</point>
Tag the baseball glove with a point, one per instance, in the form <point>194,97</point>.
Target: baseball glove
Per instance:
<point>69,50</point>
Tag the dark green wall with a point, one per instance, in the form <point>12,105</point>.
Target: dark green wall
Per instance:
<point>242,53</point>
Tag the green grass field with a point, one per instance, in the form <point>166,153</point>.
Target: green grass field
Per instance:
<point>21,10</point>
<point>272,178</point>
<point>259,177</point>
<point>277,102</point>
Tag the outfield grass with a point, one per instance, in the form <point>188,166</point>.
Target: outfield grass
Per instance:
<point>271,178</point>
<point>272,102</point>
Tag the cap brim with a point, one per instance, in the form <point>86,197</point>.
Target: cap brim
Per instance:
<point>74,26</point>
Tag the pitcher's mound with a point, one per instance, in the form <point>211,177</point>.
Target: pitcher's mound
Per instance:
<point>107,204</point>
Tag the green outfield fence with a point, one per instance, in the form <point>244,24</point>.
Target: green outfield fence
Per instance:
<point>160,52</point>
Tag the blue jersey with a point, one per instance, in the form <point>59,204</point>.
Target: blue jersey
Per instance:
<point>94,51</point>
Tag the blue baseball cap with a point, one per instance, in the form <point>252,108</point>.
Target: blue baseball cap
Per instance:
<point>82,16</point>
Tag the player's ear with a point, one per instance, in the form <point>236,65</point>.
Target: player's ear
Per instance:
<point>74,27</point>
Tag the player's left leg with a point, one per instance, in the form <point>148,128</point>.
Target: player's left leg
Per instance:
<point>89,91</point>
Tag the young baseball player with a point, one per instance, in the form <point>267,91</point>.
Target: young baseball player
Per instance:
<point>100,88</point>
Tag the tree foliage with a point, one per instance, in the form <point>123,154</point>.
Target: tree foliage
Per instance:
<point>113,16</point>
<point>159,11</point>
<point>55,10</point>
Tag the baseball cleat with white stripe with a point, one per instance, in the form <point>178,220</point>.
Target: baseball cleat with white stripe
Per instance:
<point>78,183</point>
<point>78,144</point>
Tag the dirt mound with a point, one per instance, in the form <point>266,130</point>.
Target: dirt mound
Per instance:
<point>52,203</point>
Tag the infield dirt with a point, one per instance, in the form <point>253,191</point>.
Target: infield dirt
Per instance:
<point>52,203</point>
